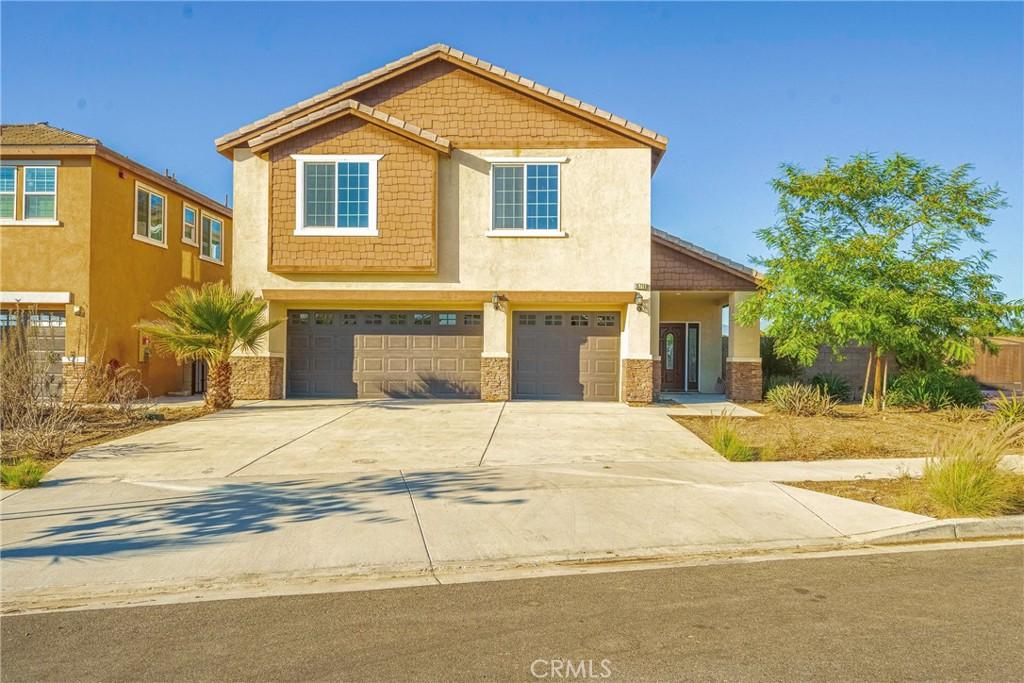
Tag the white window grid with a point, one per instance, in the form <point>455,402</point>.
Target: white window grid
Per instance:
<point>8,191</point>
<point>336,194</point>
<point>39,181</point>
<point>525,196</point>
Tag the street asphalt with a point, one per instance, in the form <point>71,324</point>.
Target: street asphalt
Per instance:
<point>923,615</point>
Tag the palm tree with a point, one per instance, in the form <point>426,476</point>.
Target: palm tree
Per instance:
<point>209,324</point>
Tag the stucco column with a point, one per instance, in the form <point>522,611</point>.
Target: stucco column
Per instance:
<point>743,364</point>
<point>637,359</point>
<point>260,375</point>
<point>655,333</point>
<point>495,362</point>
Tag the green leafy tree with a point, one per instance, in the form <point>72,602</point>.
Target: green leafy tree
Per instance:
<point>872,252</point>
<point>210,324</point>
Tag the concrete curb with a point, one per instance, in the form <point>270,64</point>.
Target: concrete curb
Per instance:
<point>960,529</point>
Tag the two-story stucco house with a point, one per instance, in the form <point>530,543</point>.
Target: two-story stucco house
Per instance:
<point>88,240</point>
<point>443,227</point>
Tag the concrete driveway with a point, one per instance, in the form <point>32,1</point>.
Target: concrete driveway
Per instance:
<point>317,437</point>
<point>294,496</point>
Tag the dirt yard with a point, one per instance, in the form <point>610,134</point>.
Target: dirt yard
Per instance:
<point>853,433</point>
<point>99,425</point>
<point>904,493</point>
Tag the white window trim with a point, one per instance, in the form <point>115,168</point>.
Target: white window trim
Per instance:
<point>135,213</point>
<point>25,193</point>
<point>319,231</point>
<point>212,217</point>
<point>525,231</point>
<point>197,227</point>
<point>14,195</point>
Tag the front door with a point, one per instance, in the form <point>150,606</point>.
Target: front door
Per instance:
<point>680,357</point>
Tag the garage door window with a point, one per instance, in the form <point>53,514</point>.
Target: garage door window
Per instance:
<point>423,319</point>
<point>554,320</point>
<point>579,320</point>
<point>446,319</point>
<point>471,319</point>
<point>374,319</point>
<point>397,319</point>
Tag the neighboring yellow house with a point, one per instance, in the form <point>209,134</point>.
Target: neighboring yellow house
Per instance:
<point>442,227</point>
<point>89,239</point>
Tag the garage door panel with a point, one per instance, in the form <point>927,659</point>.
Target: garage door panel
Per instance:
<point>378,354</point>
<point>566,355</point>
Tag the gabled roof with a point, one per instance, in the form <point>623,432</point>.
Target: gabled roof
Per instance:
<point>41,134</point>
<point>710,257</point>
<point>440,51</point>
<point>350,108</point>
<point>40,139</point>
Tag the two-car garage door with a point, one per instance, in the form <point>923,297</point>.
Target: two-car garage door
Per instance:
<point>436,354</point>
<point>378,354</point>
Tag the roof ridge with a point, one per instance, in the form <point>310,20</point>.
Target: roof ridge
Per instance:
<point>458,55</point>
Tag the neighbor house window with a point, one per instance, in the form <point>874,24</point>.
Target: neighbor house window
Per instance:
<point>8,183</point>
<point>150,214</point>
<point>336,194</point>
<point>40,193</point>
<point>212,239</point>
<point>189,225</point>
<point>525,196</point>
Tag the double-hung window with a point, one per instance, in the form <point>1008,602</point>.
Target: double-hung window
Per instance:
<point>336,194</point>
<point>8,186</point>
<point>213,236</point>
<point>525,196</point>
<point>189,225</point>
<point>150,214</point>
<point>40,193</point>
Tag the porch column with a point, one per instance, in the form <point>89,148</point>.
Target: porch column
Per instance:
<point>637,359</point>
<point>743,362</point>
<point>656,345</point>
<point>495,361</point>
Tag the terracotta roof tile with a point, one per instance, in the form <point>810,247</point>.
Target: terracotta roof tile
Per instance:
<point>710,255</point>
<point>41,134</point>
<point>459,55</point>
<point>343,106</point>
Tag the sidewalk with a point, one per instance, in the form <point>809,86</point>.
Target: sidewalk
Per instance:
<point>100,543</point>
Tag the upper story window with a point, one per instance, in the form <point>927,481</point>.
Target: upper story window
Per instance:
<point>189,225</point>
<point>213,237</point>
<point>336,194</point>
<point>8,185</point>
<point>150,216</point>
<point>40,193</point>
<point>525,196</point>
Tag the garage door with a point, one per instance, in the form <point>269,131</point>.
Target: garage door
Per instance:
<point>380,354</point>
<point>42,333</point>
<point>568,356</point>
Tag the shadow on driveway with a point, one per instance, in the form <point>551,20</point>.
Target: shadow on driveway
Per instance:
<point>211,515</point>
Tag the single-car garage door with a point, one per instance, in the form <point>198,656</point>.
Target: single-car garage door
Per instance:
<point>41,335</point>
<point>566,356</point>
<point>379,354</point>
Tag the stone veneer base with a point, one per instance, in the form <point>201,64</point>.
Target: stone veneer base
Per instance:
<point>656,376</point>
<point>743,380</point>
<point>257,377</point>
<point>495,379</point>
<point>637,380</point>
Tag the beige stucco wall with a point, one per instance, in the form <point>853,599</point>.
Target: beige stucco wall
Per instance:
<point>706,309</point>
<point>605,212</point>
<point>605,205</point>
<point>744,340</point>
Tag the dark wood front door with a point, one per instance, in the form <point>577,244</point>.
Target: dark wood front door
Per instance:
<point>680,354</point>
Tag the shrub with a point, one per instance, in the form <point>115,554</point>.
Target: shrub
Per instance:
<point>1009,410</point>
<point>833,385</point>
<point>965,478</point>
<point>933,390</point>
<point>772,381</point>
<point>726,440</point>
<point>801,399</point>
<point>963,414</point>
<point>24,474</point>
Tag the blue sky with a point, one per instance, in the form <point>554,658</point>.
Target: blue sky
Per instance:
<point>738,88</point>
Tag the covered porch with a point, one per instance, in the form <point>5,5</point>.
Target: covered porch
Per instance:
<point>697,344</point>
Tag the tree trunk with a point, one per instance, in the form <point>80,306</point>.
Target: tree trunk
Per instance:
<point>876,400</point>
<point>218,386</point>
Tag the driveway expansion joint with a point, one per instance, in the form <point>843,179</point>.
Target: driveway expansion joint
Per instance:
<point>291,441</point>
<point>491,437</point>
<point>419,526</point>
